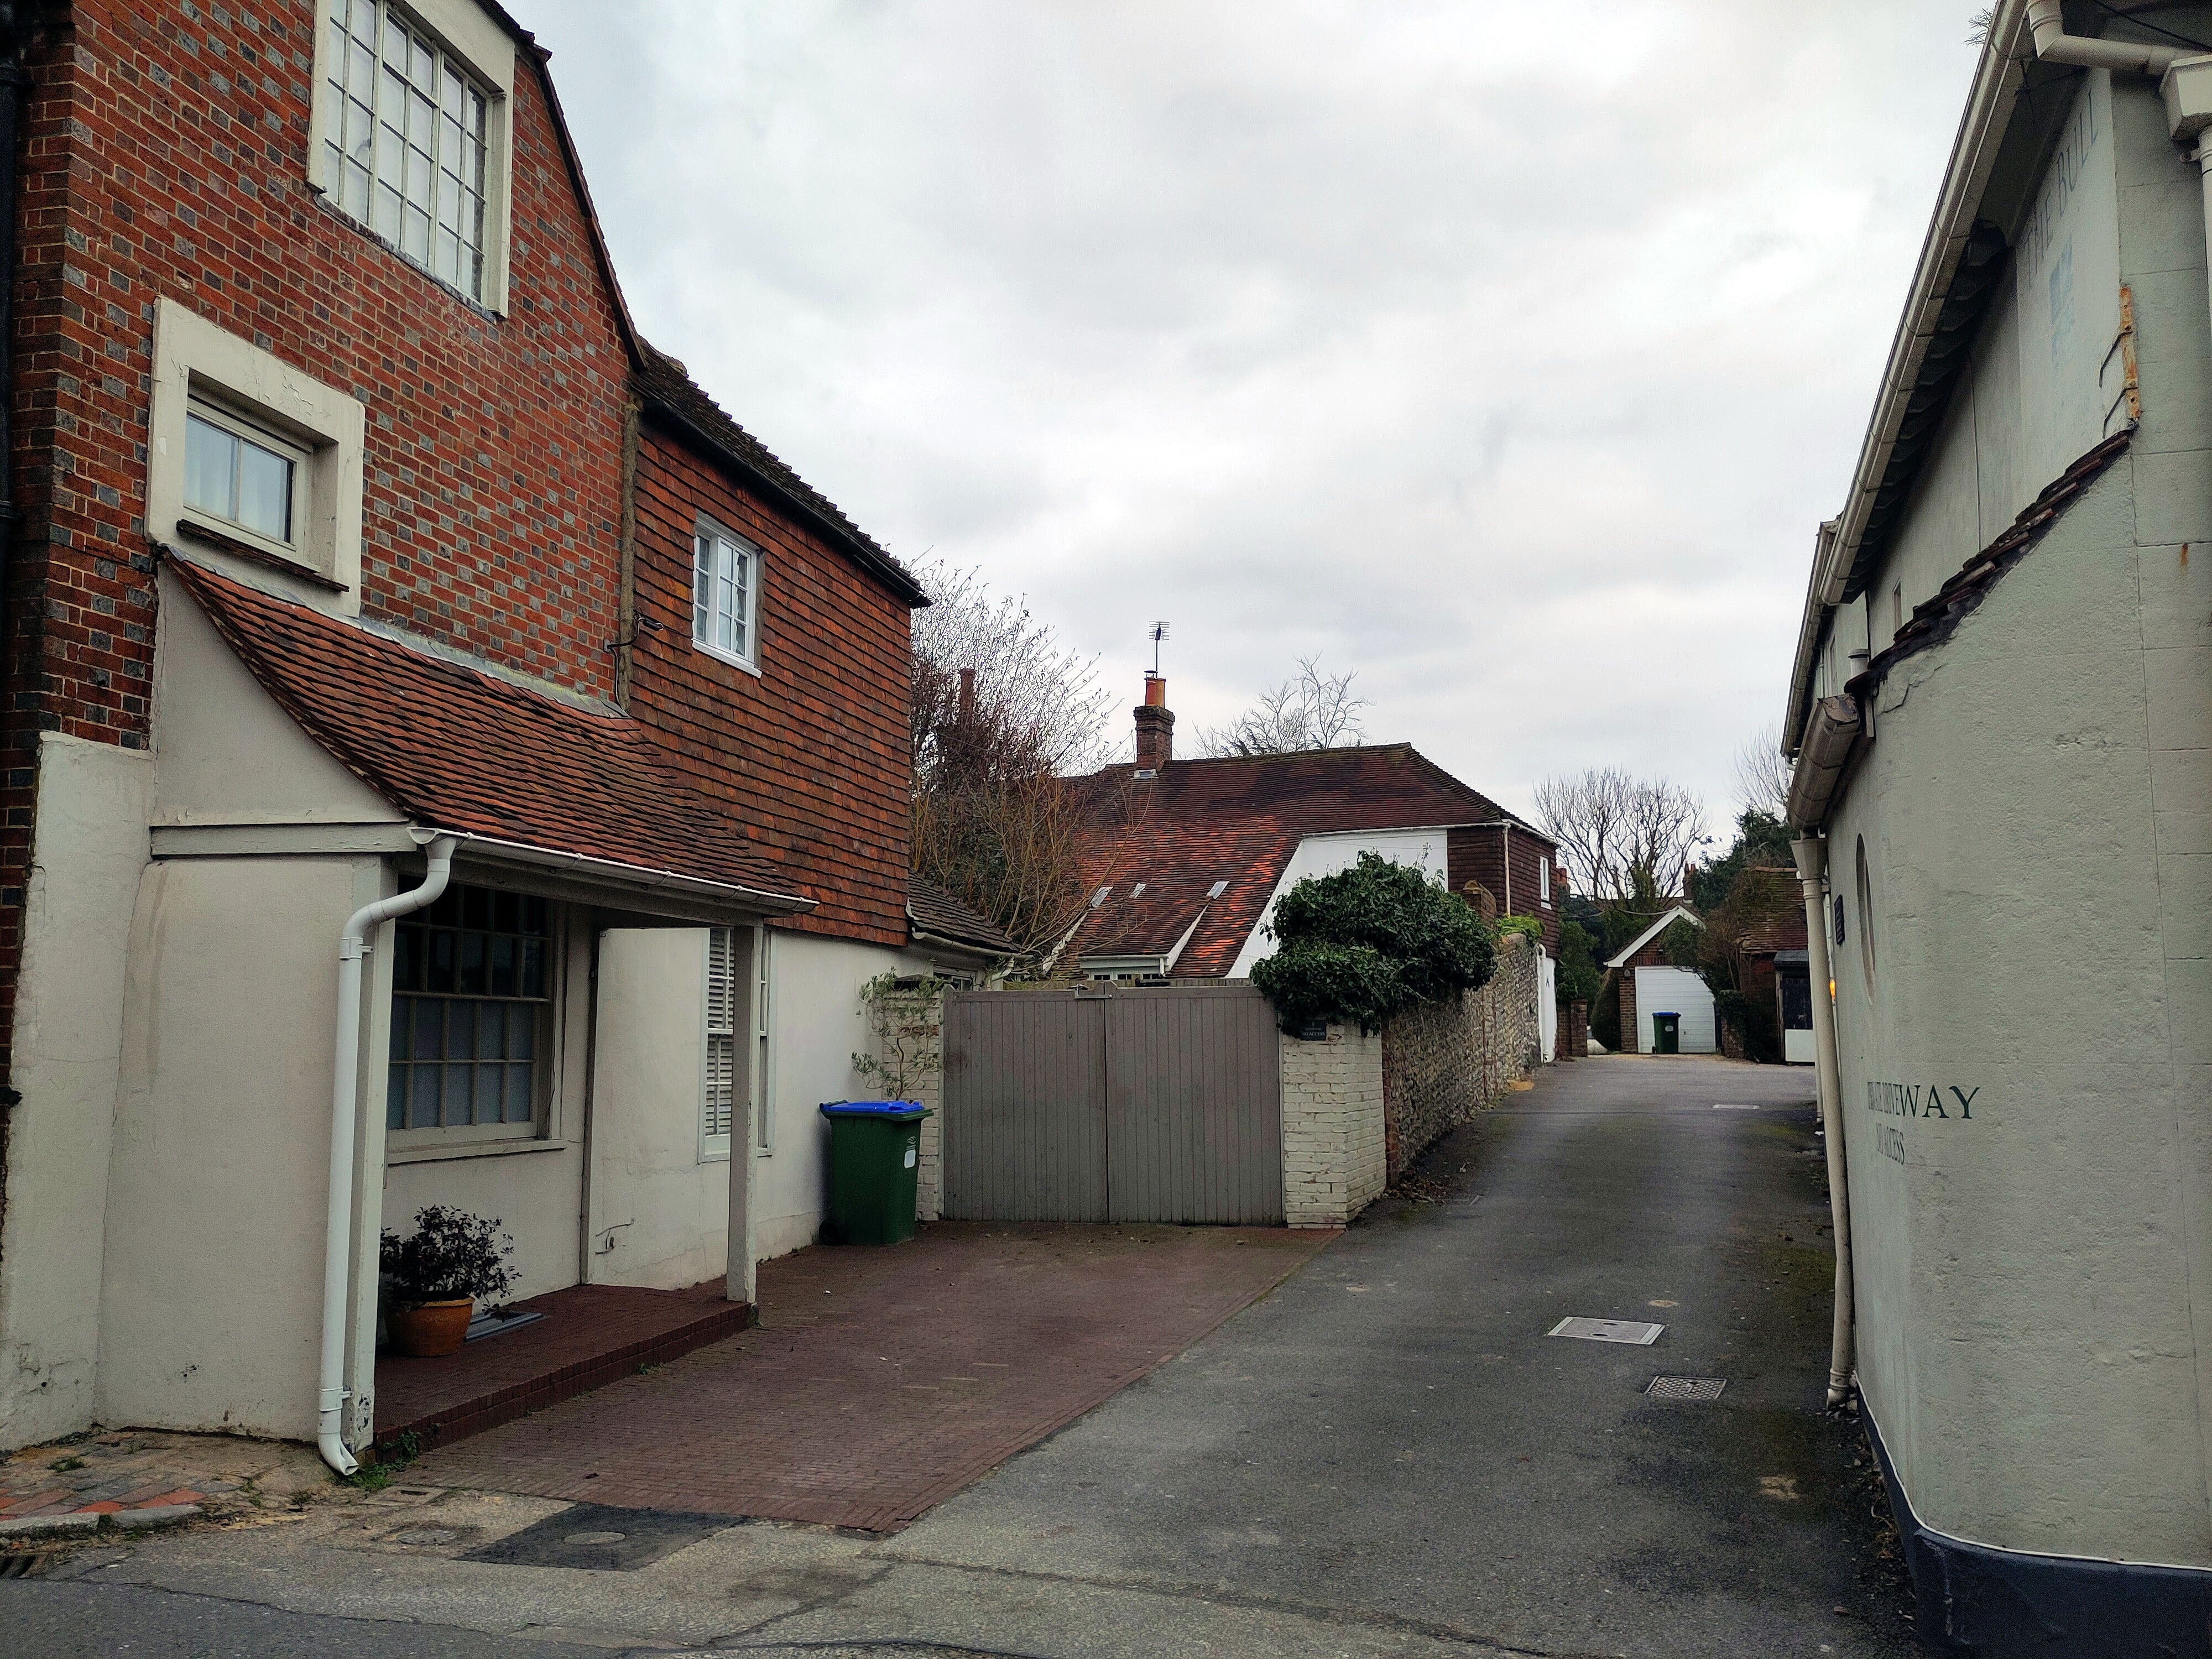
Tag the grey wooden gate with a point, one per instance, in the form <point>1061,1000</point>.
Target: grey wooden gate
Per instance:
<point>1114,1105</point>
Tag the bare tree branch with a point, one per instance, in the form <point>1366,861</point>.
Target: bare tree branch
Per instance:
<point>1622,838</point>
<point>1001,711</point>
<point>1762,772</point>
<point>1312,710</point>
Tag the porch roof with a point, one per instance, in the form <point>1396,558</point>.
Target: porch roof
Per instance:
<point>461,750</point>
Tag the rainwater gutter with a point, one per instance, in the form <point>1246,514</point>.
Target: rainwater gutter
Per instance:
<point>1811,853</point>
<point>2047,19</point>
<point>345,1091</point>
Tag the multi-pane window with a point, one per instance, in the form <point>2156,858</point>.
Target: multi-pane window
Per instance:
<point>724,592</point>
<point>240,475</point>
<point>407,146</point>
<point>719,1103</point>
<point>470,991</point>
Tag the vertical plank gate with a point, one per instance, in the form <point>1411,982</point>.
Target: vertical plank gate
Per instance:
<point>1123,1104</point>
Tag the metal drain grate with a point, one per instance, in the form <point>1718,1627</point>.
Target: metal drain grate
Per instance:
<point>1632,1331</point>
<point>1687,1390</point>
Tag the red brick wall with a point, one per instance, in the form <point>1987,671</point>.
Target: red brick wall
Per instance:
<point>165,154</point>
<point>813,752</point>
<point>1474,852</point>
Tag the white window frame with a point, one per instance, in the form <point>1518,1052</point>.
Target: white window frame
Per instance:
<point>718,1044</point>
<point>199,366</point>
<point>1544,881</point>
<point>484,52</point>
<point>760,1080</point>
<point>204,409</point>
<point>757,1054</point>
<point>744,548</point>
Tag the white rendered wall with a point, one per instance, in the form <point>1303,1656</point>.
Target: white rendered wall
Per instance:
<point>212,1287</point>
<point>1675,991</point>
<point>1325,855</point>
<point>89,850</point>
<point>649,1168</point>
<point>816,1029</point>
<point>2036,806</point>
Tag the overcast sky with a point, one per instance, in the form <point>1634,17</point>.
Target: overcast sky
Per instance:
<point>1507,354</point>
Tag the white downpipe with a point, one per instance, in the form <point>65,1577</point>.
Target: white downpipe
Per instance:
<point>2054,45</point>
<point>1812,856</point>
<point>345,1088</point>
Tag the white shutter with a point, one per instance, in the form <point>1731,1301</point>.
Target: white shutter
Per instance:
<point>717,1106</point>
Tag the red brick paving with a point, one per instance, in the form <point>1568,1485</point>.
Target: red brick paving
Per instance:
<point>880,1381</point>
<point>591,1335</point>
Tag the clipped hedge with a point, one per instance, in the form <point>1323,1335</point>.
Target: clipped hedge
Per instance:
<point>1367,942</point>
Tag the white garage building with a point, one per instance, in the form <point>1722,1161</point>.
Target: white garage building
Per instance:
<point>1654,995</point>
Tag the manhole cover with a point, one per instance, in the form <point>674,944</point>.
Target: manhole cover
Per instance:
<point>599,1537</point>
<point>1632,1331</point>
<point>1689,1390</point>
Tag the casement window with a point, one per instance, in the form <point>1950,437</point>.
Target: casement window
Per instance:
<point>725,572</point>
<point>471,1005</point>
<point>718,1103</point>
<point>411,133</point>
<point>254,465</point>
<point>1544,882</point>
<point>250,482</point>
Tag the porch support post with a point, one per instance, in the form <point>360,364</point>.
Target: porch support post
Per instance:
<point>740,1282</point>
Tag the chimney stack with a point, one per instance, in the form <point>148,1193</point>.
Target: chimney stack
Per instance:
<point>1155,726</point>
<point>967,695</point>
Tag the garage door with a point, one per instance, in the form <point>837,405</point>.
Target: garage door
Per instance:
<point>1675,991</point>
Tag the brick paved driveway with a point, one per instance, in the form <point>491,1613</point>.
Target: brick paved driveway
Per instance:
<point>882,1381</point>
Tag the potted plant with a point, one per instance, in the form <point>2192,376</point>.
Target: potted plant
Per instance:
<point>438,1273</point>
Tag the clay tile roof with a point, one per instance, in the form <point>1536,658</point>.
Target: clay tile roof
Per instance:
<point>1239,821</point>
<point>668,388</point>
<point>464,751</point>
<point>934,910</point>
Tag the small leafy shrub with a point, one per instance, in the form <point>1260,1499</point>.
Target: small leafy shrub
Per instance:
<point>1367,942</point>
<point>1529,927</point>
<point>904,1014</point>
<point>450,1255</point>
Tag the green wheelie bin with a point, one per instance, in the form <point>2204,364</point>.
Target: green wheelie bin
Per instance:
<point>874,1146</point>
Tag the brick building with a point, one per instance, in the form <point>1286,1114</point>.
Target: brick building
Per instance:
<point>1187,857</point>
<point>358,545</point>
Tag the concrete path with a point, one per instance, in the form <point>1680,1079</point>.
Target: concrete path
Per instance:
<point>1386,1456</point>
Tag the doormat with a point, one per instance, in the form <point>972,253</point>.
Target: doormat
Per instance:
<point>596,1538</point>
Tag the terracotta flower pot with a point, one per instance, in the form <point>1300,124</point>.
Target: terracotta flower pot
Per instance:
<point>427,1330</point>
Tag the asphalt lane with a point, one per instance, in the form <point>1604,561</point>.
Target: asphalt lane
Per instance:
<point>1392,1436</point>
<point>1385,1458</point>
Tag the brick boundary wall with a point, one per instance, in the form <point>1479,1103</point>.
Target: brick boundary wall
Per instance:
<point>1335,1162</point>
<point>1574,1030</point>
<point>1445,1062</point>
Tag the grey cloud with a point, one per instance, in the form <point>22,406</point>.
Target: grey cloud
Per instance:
<point>1507,354</point>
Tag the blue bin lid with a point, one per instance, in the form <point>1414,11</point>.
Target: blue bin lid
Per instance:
<point>872,1109</point>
